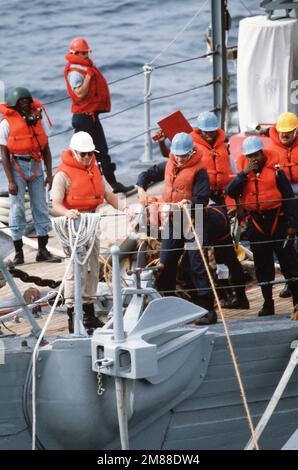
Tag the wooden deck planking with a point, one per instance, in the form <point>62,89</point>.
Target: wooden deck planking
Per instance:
<point>56,271</point>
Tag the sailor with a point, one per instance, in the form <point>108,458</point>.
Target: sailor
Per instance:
<point>78,186</point>
<point>90,96</point>
<point>24,144</point>
<point>260,187</point>
<point>218,235</point>
<point>210,140</point>
<point>284,140</point>
<point>185,180</point>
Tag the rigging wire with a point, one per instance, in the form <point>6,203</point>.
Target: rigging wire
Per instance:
<point>179,33</point>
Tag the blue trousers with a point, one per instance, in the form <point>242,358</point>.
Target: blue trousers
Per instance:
<point>39,207</point>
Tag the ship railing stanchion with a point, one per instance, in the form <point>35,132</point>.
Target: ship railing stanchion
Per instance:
<point>147,93</point>
<point>119,337</point>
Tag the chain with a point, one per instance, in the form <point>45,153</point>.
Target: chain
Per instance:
<point>25,277</point>
<point>100,388</point>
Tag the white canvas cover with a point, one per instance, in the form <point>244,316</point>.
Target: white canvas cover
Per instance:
<point>266,69</point>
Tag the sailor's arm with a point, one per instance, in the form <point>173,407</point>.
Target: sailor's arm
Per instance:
<point>154,174</point>
<point>12,186</point>
<point>290,204</point>
<point>236,186</point>
<point>47,157</point>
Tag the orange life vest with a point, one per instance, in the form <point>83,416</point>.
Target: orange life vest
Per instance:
<point>261,192</point>
<point>215,159</point>
<point>86,190</point>
<point>288,156</point>
<point>98,96</point>
<point>24,139</point>
<point>179,181</point>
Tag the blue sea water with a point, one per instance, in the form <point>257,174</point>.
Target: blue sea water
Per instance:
<point>124,35</point>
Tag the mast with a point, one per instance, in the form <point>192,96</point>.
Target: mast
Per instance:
<point>219,16</point>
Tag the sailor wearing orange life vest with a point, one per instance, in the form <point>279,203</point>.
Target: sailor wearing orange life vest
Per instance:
<point>23,145</point>
<point>184,179</point>
<point>79,186</point>
<point>260,187</point>
<point>284,140</point>
<point>90,96</point>
<point>210,140</point>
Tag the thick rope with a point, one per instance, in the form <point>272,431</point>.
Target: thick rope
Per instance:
<point>230,345</point>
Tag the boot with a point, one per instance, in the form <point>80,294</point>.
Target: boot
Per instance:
<point>240,301</point>
<point>267,309</point>
<point>209,319</point>
<point>70,311</point>
<point>43,254</point>
<point>120,188</point>
<point>294,315</point>
<point>19,256</point>
<point>285,292</point>
<point>90,321</point>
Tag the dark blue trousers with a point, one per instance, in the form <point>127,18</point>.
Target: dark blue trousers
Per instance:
<point>167,278</point>
<point>92,125</point>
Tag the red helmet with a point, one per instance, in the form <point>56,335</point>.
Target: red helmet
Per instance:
<point>79,45</point>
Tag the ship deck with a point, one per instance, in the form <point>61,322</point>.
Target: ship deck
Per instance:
<point>55,271</point>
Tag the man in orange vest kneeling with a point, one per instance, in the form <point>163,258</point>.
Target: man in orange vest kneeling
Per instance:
<point>266,195</point>
<point>23,145</point>
<point>79,186</point>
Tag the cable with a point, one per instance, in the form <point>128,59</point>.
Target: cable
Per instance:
<point>184,91</point>
<point>230,345</point>
<point>179,33</point>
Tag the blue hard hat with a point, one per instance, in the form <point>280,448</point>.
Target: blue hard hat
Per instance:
<point>182,144</point>
<point>207,121</point>
<point>252,145</point>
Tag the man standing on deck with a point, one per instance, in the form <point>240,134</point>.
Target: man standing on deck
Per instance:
<point>90,96</point>
<point>78,186</point>
<point>185,180</point>
<point>23,145</point>
<point>284,140</point>
<point>260,188</point>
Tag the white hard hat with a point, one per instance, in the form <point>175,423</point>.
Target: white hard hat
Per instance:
<point>82,142</point>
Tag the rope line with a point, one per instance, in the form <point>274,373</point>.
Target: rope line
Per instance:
<point>179,33</point>
<point>170,64</point>
<point>219,288</point>
<point>184,91</point>
<point>230,345</point>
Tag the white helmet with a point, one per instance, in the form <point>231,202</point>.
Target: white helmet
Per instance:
<point>82,142</point>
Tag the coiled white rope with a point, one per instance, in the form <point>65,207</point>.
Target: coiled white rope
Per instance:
<point>86,233</point>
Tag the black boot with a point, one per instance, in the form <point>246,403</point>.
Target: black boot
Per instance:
<point>120,188</point>
<point>90,321</point>
<point>267,309</point>
<point>43,254</point>
<point>70,311</point>
<point>285,292</point>
<point>240,301</point>
<point>209,319</point>
<point>268,305</point>
<point>19,256</point>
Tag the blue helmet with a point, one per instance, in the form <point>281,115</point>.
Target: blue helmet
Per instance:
<point>252,145</point>
<point>182,144</point>
<point>207,121</point>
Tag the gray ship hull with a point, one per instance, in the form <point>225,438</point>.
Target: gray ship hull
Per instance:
<point>197,406</point>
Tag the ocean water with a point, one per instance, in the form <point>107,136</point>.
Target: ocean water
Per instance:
<point>124,35</point>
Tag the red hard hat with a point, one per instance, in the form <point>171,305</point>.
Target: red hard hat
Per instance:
<point>79,45</point>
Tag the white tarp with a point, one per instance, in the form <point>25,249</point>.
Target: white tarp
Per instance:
<point>266,69</point>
